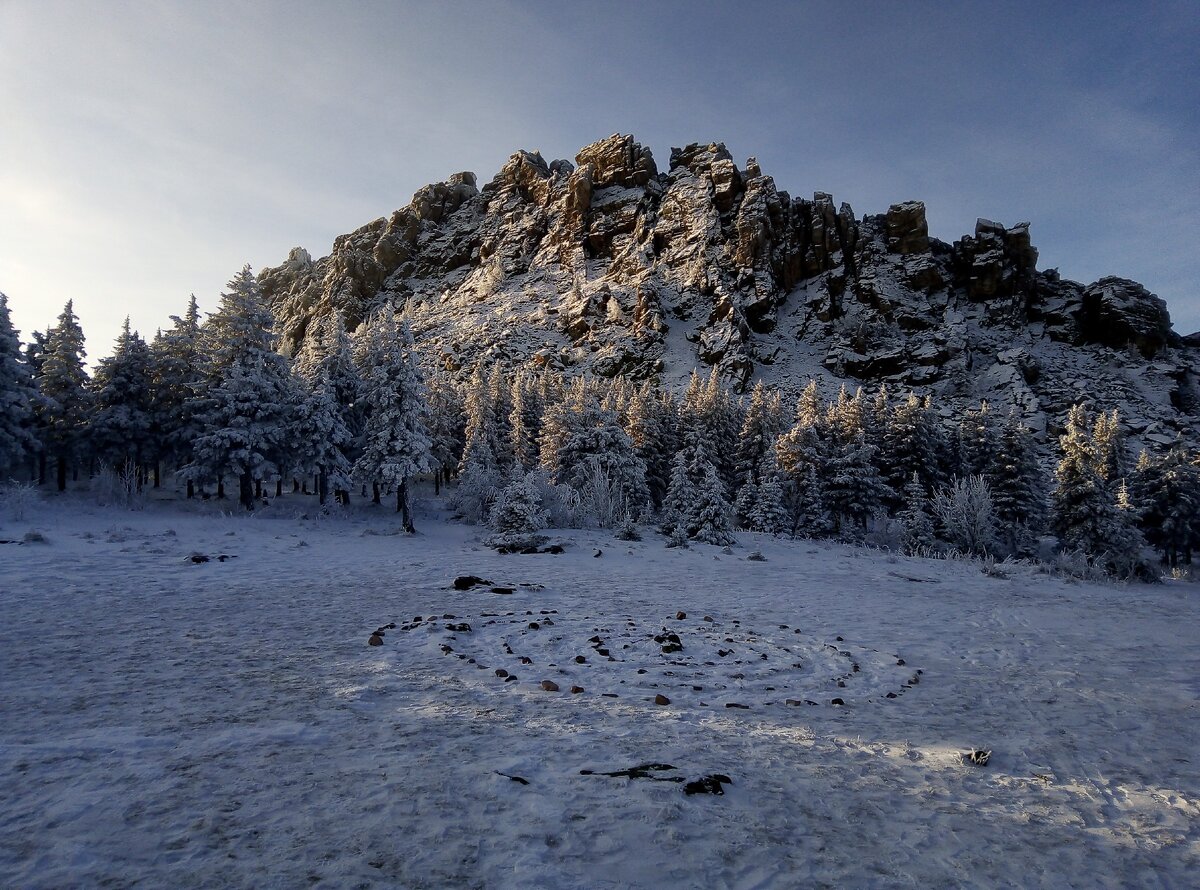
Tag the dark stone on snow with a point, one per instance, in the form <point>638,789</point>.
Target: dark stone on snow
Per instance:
<point>597,554</point>
<point>708,784</point>
<point>643,771</point>
<point>375,640</point>
<point>518,779</point>
<point>734,704</point>
<point>900,661</point>
<point>661,699</point>
<point>533,625</point>
<point>501,672</point>
<point>836,701</point>
<point>602,652</point>
<point>466,582</point>
<point>575,690</point>
<point>503,591</point>
<point>679,616</point>
<point>549,686</point>
<point>554,548</point>
<point>511,678</point>
<point>462,627</point>
<point>892,695</point>
<point>579,659</point>
<point>525,659</point>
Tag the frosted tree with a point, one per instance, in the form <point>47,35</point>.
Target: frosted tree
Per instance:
<point>17,397</point>
<point>1018,485</point>
<point>1167,498</point>
<point>743,504</point>
<point>910,445</point>
<point>809,410</point>
<point>852,489</point>
<point>768,512</point>
<point>176,375</point>
<point>680,497</point>
<point>1085,515</point>
<point>965,512</point>
<point>331,367</point>
<point>396,442</point>
<point>244,402</point>
<point>598,452</point>
<point>120,429</point>
<point>447,427</point>
<point>649,424</point>
<point>517,515</point>
<point>709,518</point>
<point>761,426</point>
<point>324,440</point>
<point>976,440</point>
<point>63,406</point>
<point>524,422</point>
<point>915,519</point>
<point>1108,445</point>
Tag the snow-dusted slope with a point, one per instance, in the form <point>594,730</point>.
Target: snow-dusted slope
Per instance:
<point>612,267</point>
<point>226,724</point>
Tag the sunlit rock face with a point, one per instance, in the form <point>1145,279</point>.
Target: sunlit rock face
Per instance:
<point>611,266</point>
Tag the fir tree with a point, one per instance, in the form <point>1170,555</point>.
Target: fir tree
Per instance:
<point>917,524</point>
<point>396,443</point>
<point>768,512</point>
<point>708,519</point>
<point>852,488</point>
<point>62,409</point>
<point>17,398</point>
<point>244,402</point>
<point>1017,485</point>
<point>517,515</point>
<point>1108,444</point>
<point>976,440</point>
<point>176,375</point>
<point>324,439</point>
<point>1168,502</point>
<point>120,430</point>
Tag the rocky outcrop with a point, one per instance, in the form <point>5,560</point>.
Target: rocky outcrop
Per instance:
<point>611,266</point>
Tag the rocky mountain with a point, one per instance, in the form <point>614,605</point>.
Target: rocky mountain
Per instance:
<point>613,267</point>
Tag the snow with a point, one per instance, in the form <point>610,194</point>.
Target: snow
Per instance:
<point>226,723</point>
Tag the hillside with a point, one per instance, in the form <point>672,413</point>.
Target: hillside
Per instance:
<point>611,267</point>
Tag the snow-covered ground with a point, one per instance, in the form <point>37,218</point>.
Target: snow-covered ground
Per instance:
<point>166,722</point>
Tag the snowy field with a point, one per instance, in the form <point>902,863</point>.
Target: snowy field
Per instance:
<point>226,724</point>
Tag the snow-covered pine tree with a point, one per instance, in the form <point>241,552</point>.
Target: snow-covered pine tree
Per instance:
<point>977,440</point>
<point>17,398</point>
<point>910,445</point>
<point>809,410</point>
<point>1108,443</point>
<point>680,497</point>
<point>500,400</point>
<point>1018,486</point>
<point>915,519</point>
<point>62,409</point>
<point>524,422</point>
<point>743,504</point>
<point>517,515</point>
<point>324,439</point>
<point>447,426</point>
<point>708,519</point>
<point>650,429</point>
<point>805,499</point>
<point>243,405</point>
<point>852,489</point>
<point>598,452</point>
<point>120,429</point>
<point>1167,498</point>
<point>768,513</point>
<point>396,442</point>
<point>176,374</point>
<point>1085,515</point>
<point>761,426</point>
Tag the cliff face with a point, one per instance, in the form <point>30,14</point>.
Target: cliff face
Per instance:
<point>609,266</point>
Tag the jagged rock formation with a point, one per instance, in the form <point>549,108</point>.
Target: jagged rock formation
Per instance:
<point>611,267</point>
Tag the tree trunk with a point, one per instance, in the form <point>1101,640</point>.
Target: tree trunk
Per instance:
<point>157,474</point>
<point>221,490</point>
<point>62,474</point>
<point>279,487</point>
<point>246,490</point>
<point>258,488</point>
<point>42,468</point>
<point>375,493</point>
<point>296,486</point>
<point>322,488</point>
<point>437,482</point>
<point>191,489</point>
<point>404,507</point>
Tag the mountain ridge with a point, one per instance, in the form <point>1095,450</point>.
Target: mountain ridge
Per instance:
<point>609,266</point>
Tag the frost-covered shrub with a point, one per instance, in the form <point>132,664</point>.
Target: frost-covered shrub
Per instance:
<point>560,502</point>
<point>966,515</point>
<point>517,516</point>
<point>628,530</point>
<point>18,499</point>
<point>603,501</point>
<point>118,487</point>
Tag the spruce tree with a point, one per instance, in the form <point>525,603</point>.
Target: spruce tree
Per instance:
<point>324,440</point>
<point>1017,485</point>
<point>176,375</point>
<point>244,402</point>
<point>17,398</point>
<point>121,426</point>
<point>915,519</point>
<point>976,440</point>
<point>62,409</point>
<point>708,520</point>
<point>396,442</point>
<point>1168,501</point>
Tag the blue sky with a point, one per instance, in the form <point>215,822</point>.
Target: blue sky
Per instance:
<point>148,150</point>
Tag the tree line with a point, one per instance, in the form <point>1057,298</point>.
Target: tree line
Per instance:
<point>214,401</point>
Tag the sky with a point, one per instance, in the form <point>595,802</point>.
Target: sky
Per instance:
<point>149,150</point>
